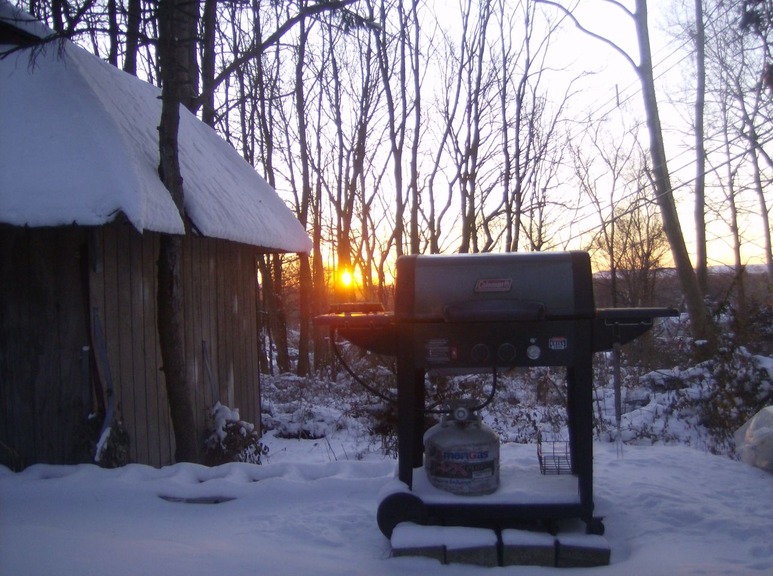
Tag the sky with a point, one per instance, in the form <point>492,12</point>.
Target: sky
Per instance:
<point>614,81</point>
<point>614,76</point>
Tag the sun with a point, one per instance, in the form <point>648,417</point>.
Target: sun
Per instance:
<point>346,278</point>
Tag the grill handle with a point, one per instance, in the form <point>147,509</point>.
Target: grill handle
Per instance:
<point>494,311</point>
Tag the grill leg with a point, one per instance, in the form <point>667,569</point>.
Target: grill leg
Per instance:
<point>580,413</point>
<point>410,412</point>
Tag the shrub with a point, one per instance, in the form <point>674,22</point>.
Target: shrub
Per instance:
<point>741,388</point>
<point>230,439</point>
<point>112,450</point>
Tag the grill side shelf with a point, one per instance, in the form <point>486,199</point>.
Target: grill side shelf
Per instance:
<point>376,332</point>
<point>622,325</point>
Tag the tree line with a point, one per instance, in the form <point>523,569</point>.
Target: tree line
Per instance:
<point>413,126</point>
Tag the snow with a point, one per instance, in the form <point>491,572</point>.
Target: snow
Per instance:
<point>409,535</point>
<point>83,147</point>
<point>754,440</point>
<point>102,443</point>
<point>669,510</point>
<point>221,415</point>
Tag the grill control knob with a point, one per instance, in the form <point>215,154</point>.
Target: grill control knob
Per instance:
<point>479,353</point>
<point>533,352</point>
<point>506,352</point>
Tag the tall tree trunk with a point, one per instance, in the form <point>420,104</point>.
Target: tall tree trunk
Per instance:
<point>319,303</point>
<point>270,273</point>
<point>396,123</point>
<point>413,183</point>
<point>278,317</point>
<point>112,23</point>
<point>270,266</point>
<point>764,214</point>
<point>174,25</point>
<point>730,175</point>
<point>133,23</point>
<point>471,68</point>
<point>209,29</point>
<point>58,9</point>
<point>700,322</point>
<point>741,313</point>
<point>304,336</point>
<point>701,264</point>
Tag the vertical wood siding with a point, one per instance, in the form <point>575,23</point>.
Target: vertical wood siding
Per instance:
<point>44,395</point>
<point>45,323</point>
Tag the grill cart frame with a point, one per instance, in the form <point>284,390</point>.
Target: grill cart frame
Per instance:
<point>480,312</point>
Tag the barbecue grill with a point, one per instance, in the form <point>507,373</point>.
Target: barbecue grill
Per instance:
<point>490,312</point>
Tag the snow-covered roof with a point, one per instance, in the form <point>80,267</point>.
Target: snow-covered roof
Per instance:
<point>80,145</point>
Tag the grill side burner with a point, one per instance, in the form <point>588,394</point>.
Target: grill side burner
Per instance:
<point>485,312</point>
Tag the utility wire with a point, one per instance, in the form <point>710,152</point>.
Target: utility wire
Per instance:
<point>634,207</point>
<point>615,101</point>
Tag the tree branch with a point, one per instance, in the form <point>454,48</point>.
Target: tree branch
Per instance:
<point>258,49</point>
<point>592,34</point>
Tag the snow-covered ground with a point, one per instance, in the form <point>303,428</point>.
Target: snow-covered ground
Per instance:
<point>670,506</point>
<point>668,510</point>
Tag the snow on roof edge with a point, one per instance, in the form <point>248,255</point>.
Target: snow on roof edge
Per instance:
<point>225,197</point>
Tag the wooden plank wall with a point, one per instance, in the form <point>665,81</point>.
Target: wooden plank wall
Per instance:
<point>122,287</point>
<point>45,396</point>
<point>220,284</point>
<point>44,324</point>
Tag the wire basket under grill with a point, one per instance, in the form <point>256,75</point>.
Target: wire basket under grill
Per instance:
<point>554,457</point>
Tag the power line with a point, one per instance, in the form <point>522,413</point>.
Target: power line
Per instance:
<point>635,206</point>
<point>616,102</point>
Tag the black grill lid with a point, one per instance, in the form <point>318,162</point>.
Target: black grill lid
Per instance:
<point>494,287</point>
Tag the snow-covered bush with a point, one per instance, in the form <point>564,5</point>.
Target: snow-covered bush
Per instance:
<point>741,388</point>
<point>700,405</point>
<point>105,444</point>
<point>304,408</point>
<point>665,397</point>
<point>230,439</point>
<point>112,448</point>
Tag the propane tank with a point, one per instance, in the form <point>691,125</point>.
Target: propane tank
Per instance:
<point>461,454</point>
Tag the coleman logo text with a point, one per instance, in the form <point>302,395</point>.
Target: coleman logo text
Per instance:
<point>493,285</point>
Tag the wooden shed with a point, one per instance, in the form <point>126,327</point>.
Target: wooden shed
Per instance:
<point>81,213</point>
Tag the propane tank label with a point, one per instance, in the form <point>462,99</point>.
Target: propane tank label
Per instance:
<point>467,470</point>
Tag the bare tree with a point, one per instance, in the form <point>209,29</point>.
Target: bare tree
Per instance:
<point>603,163</point>
<point>412,38</point>
<point>742,121</point>
<point>528,125</point>
<point>448,105</point>
<point>177,25</point>
<point>390,50</point>
<point>702,327</point>
<point>643,247</point>
<point>701,256</point>
<point>304,206</point>
<point>133,27</point>
<point>467,145</point>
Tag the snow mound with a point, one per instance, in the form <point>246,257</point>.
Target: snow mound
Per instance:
<point>754,440</point>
